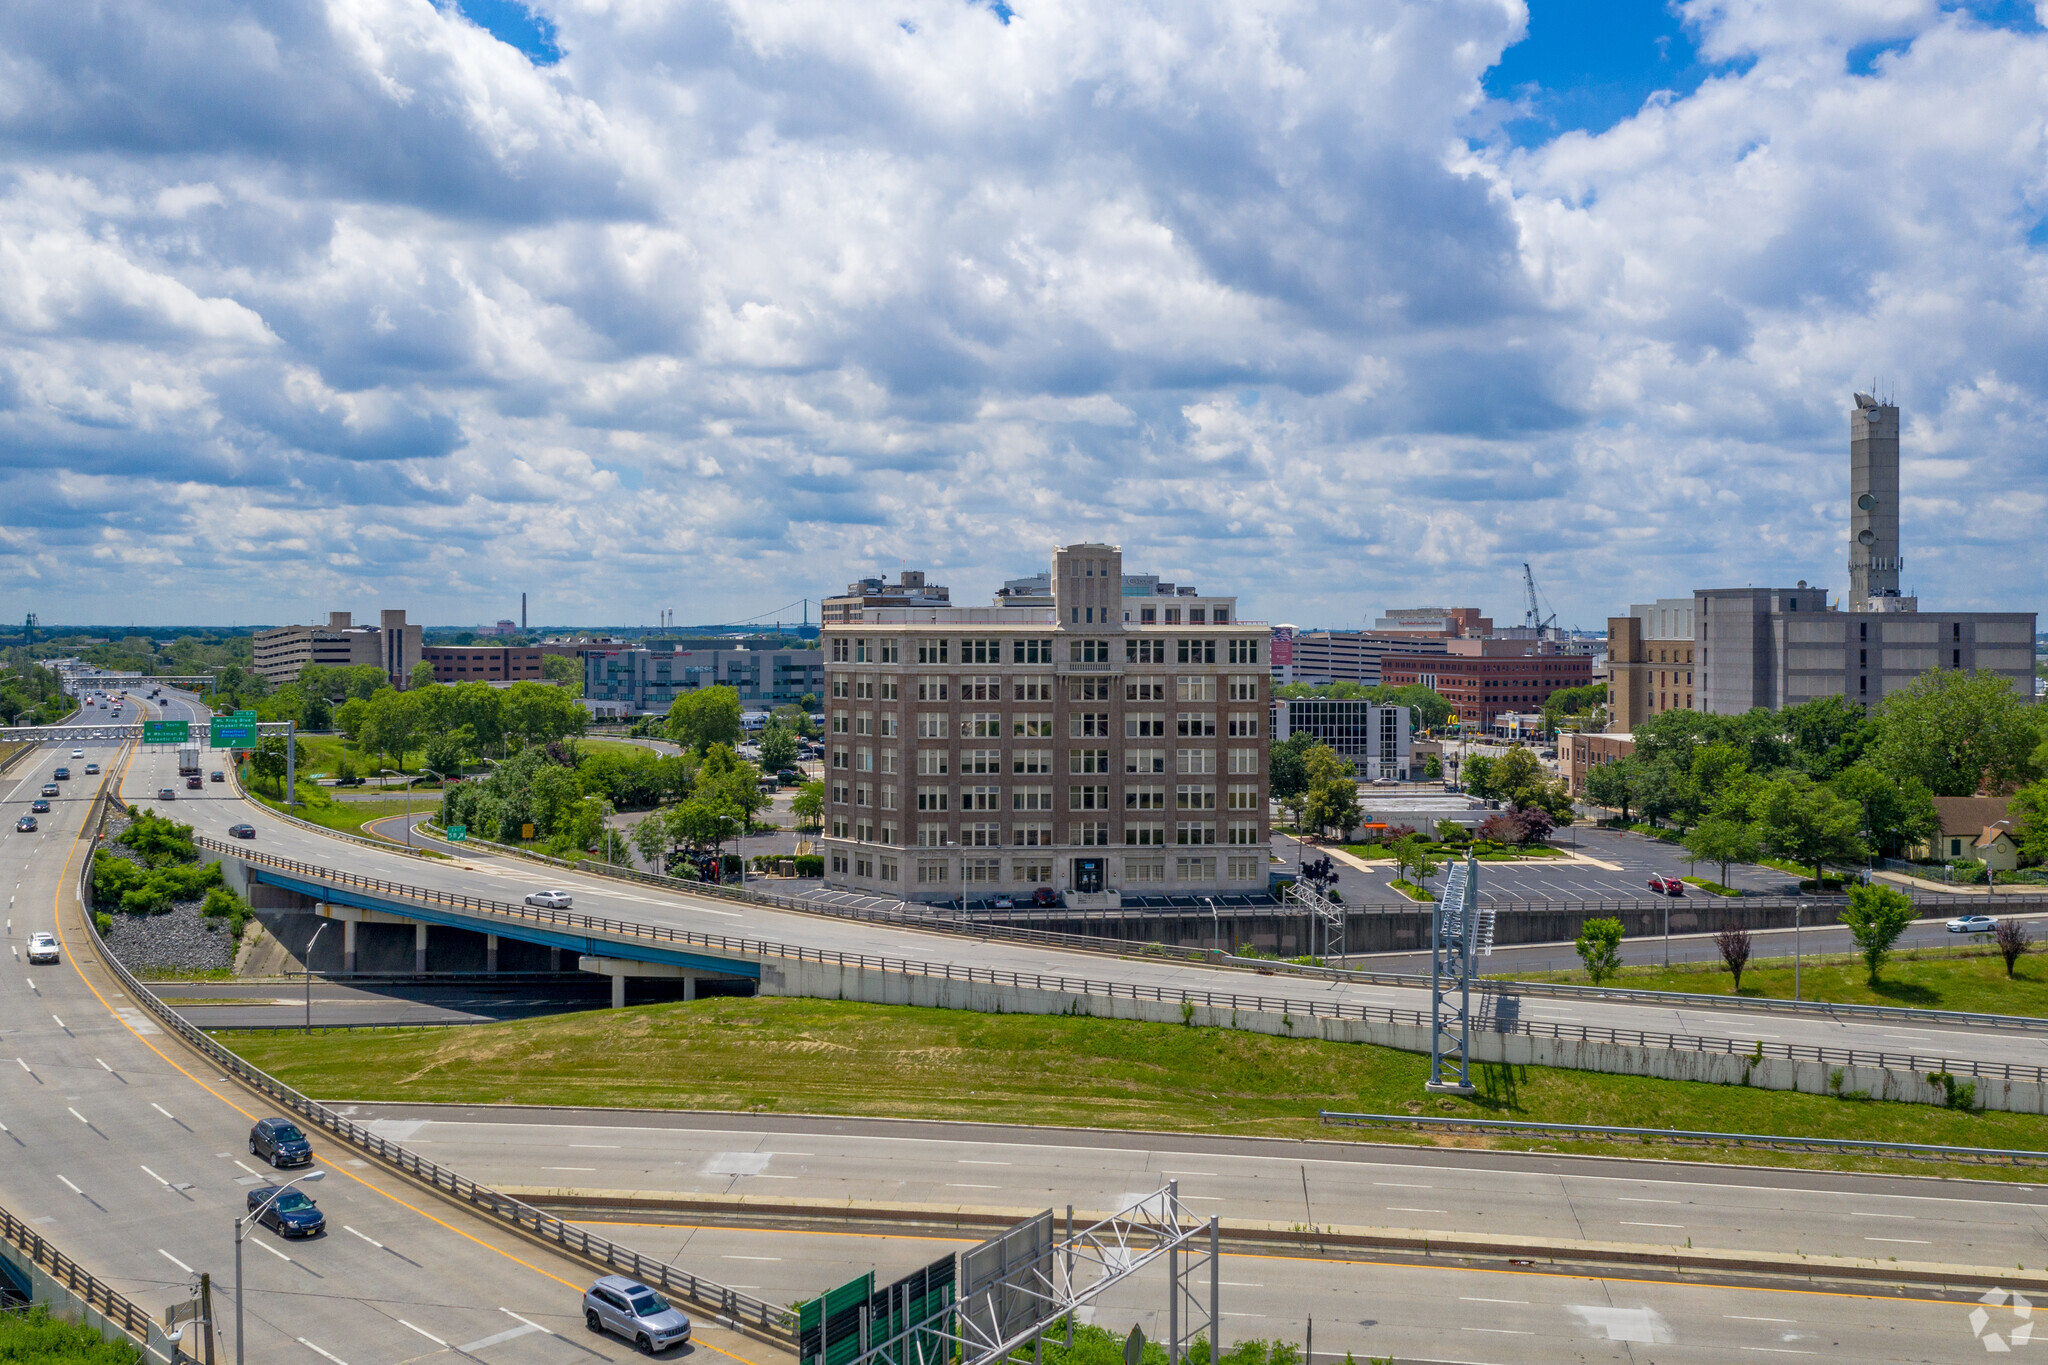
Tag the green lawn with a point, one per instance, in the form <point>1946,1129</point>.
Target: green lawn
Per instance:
<point>1962,978</point>
<point>827,1057</point>
<point>318,808</point>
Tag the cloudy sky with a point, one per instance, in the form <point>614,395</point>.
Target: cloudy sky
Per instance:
<point>645,304</point>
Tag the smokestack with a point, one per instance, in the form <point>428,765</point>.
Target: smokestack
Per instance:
<point>522,613</point>
<point>1874,557</point>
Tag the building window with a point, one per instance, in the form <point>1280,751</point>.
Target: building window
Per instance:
<point>981,652</point>
<point>1145,760</point>
<point>1145,725</point>
<point>933,651</point>
<point>932,836</point>
<point>1194,832</point>
<point>1196,725</point>
<point>1089,833</point>
<point>1088,689</point>
<point>981,798</point>
<point>1033,689</point>
<point>981,689</point>
<point>1087,798</point>
<point>892,651</point>
<point>982,725</point>
<point>1244,689</point>
<point>1243,651</point>
<point>931,873</point>
<point>1194,796</point>
<point>1144,651</point>
<point>931,725</point>
<point>1244,832</point>
<point>1031,836</point>
<point>1031,872</point>
<point>1088,651</point>
<point>1142,870</point>
<point>887,869</point>
<point>932,762</point>
<point>1031,651</point>
<point>1194,869</point>
<point>1088,725</point>
<point>1197,651</point>
<point>1242,869</point>
<point>1244,798</point>
<point>1145,689</point>
<point>981,836</point>
<point>1194,762</point>
<point>1031,726</point>
<point>1195,687</point>
<point>933,798</point>
<point>1144,798</point>
<point>981,761</point>
<point>1144,836</point>
<point>931,689</point>
<point>1030,761</point>
<point>1031,798</point>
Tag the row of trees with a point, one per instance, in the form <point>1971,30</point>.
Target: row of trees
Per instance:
<point>1520,782</point>
<point>1431,710</point>
<point>448,723</point>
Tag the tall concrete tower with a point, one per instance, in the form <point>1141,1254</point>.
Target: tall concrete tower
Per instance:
<point>1874,560</point>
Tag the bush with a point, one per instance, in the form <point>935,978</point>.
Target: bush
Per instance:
<point>222,903</point>
<point>811,865</point>
<point>105,923</point>
<point>121,884</point>
<point>1599,947</point>
<point>37,1336</point>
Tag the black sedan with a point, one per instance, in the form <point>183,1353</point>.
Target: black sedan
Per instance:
<point>25,825</point>
<point>39,806</point>
<point>292,1214</point>
<point>241,831</point>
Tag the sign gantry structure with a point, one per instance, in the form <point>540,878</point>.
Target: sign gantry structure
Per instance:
<point>1460,932</point>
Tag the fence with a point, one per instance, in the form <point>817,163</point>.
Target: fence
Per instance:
<point>1918,1151</point>
<point>1283,1005</point>
<point>734,1309</point>
<point>87,1288</point>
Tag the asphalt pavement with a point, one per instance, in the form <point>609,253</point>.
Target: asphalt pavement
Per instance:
<point>287,1003</point>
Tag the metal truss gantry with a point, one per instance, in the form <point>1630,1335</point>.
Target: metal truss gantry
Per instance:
<point>1326,913</point>
<point>992,1321</point>
<point>1460,932</point>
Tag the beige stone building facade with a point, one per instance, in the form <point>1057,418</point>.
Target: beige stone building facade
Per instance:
<point>392,645</point>
<point>1092,746</point>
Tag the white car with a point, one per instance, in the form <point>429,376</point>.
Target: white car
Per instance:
<point>42,947</point>
<point>549,900</point>
<point>1972,924</point>
<point>78,753</point>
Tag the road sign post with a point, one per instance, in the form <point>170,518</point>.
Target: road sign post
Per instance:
<point>457,833</point>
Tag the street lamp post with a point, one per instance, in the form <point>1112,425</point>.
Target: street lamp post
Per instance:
<point>1797,912</point>
<point>309,973</point>
<point>242,1226</point>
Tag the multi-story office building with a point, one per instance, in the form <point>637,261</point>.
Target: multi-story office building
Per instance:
<point>1649,661</point>
<point>645,682</point>
<point>1098,744</point>
<point>878,594</point>
<point>1327,656</point>
<point>392,645</point>
<point>1578,754</point>
<point>485,663</point>
<point>1377,739</point>
<point>1433,621</point>
<point>1486,683</point>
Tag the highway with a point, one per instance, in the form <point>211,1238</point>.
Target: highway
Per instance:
<point>132,1156</point>
<point>1418,1313</point>
<point>481,874</point>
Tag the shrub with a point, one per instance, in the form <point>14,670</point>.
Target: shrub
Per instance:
<point>37,1336</point>
<point>1599,947</point>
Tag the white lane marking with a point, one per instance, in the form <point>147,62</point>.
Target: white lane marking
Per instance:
<point>952,1186</point>
<point>1776,1350</point>
<point>1625,1223</point>
<point>1498,1331</point>
<point>981,1163</point>
<point>1210,1174</point>
<point>1399,1185</point>
<point>311,1347</point>
<point>174,1261</point>
<point>421,1330</point>
<point>1737,1317</point>
<point>1902,1217</point>
<point>1463,1299</point>
<point>377,1244</point>
<point>569,1168</point>
<point>1397,1208</point>
<point>26,1067</point>
<point>507,1335</point>
<point>1626,1200</point>
<point>68,1185</point>
<point>103,1066</point>
<point>165,1112</point>
<point>157,1178</point>
<point>750,1258</point>
<point>613,1146</point>
<point>258,1241</point>
<point>1901,1241</point>
<point>250,1169</point>
<point>80,1117</point>
<point>516,1318</point>
<point>60,1023</point>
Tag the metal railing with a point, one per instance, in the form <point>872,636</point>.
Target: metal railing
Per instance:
<point>734,1308</point>
<point>1918,1151</point>
<point>94,1292</point>
<point>1229,1000</point>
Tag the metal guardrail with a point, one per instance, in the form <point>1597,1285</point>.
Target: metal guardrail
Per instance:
<point>94,1292</point>
<point>735,1309</point>
<point>1264,1004</point>
<point>1918,1151</point>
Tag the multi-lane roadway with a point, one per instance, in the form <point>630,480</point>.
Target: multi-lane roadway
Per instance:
<point>155,1108</point>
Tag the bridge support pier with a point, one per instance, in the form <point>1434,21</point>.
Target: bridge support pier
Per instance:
<point>348,946</point>
<point>419,947</point>
<point>491,954</point>
<point>619,969</point>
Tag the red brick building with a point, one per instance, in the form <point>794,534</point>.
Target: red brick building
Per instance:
<point>1482,687</point>
<point>484,663</point>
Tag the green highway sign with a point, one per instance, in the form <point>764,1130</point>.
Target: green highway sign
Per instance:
<point>245,715</point>
<point>232,734</point>
<point>457,833</point>
<point>166,732</point>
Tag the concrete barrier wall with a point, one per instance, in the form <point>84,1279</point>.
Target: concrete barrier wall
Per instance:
<point>44,1288</point>
<point>826,981</point>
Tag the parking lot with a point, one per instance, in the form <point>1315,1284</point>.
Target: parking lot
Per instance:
<point>1632,859</point>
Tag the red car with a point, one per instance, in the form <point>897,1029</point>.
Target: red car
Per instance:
<point>1666,886</point>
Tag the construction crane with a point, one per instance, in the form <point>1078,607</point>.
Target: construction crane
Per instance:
<point>1534,616</point>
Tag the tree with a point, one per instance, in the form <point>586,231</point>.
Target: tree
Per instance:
<point>710,715</point>
<point>315,712</point>
<point>1827,734</point>
<point>650,837</point>
<point>2012,940</point>
<point>1515,776</point>
<point>444,752</point>
<point>1896,814</point>
<point>1411,855</point>
<point>1876,915</point>
<point>701,824</point>
<point>423,674</point>
<point>1612,785</point>
<point>539,713</point>
<point>1332,804</point>
<point>1803,821</point>
<point>778,748</point>
<point>352,718</point>
<point>1733,943</point>
<point>393,724</point>
<point>808,806</point>
<point>1599,947</point>
<point>2029,807</point>
<point>1957,733</point>
<point>564,672</point>
<point>1659,787</point>
<point>1287,772</point>
<point>1432,768</point>
<point>1722,839</point>
<point>1322,764</point>
<point>1476,777</point>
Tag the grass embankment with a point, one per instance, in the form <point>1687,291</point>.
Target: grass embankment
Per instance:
<point>1925,978</point>
<point>828,1057</point>
<point>316,807</point>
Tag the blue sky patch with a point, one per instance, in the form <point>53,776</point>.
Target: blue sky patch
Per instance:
<point>1588,64</point>
<point>513,23</point>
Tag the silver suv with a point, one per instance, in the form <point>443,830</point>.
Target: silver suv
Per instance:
<point>635,1312</point>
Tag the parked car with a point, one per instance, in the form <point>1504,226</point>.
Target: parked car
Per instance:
<point>1005,903</point>
<point>25,825</point>
<point>635,1312</point>
<point>1045,895</point>
<point>42,947</point>
<point>241,831</point>
<point>1666,886</point>
<point>40,806</point>
<point>1972,924</point>
<point>291,1214</point>
<point>549,900</point>
<point>279,1142</point>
